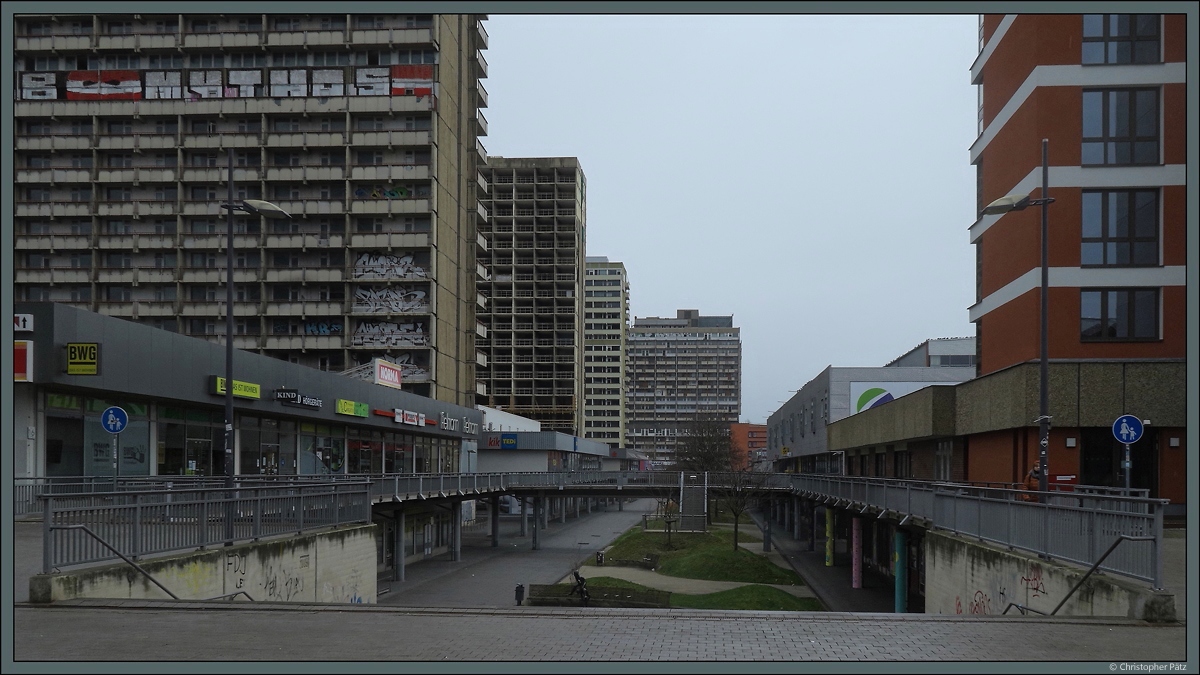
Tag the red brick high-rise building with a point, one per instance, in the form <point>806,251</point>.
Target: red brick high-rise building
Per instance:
<point>749,443</point>
<point>1107,91</point>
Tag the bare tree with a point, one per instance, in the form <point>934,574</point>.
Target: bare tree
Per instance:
<point>706,447</point>
<point>737,491</point>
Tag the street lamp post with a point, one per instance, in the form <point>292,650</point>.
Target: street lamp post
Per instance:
<point>253,207</point>
<point>1018,202</point>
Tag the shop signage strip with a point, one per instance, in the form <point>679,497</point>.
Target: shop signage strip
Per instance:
<point>347,407</point>
<point>83,358</point>
<point>240,389</point>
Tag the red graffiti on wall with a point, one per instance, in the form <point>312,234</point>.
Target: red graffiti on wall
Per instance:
<point>981,603</point>
<point>1033,581</point>
<point>957,605</point>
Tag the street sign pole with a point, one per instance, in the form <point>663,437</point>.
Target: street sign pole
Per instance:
<point>114,420</point>
<point>116,460</point>
<point>1128,430</point>
<point>1128,469</point>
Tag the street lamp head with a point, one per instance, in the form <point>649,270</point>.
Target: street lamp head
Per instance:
<point>262,208</point>
<point>1006,204</point>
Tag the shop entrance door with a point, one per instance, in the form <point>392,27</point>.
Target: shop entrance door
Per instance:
<point>427,539</point>
<point>269,457</point>
<point>198,457</point>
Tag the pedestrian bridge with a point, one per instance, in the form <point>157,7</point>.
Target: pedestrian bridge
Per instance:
<point>137,516</point>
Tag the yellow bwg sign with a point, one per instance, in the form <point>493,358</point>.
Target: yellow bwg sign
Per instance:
<point>240,389</point>
<point>83,358</point>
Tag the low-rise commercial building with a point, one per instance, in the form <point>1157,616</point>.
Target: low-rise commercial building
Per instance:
<point>796,433</point>
<point>288,418</point>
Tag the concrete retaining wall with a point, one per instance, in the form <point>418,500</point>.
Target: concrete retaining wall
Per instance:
<point>967,577</point>
<point>336,566</point>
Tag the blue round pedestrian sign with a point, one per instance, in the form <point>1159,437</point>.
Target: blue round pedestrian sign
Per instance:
<point>1127,429</point>
<point>114,419</point>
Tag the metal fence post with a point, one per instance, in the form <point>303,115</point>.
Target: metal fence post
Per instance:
<point>1091,534</point>
<point>1045,528</point>
<point>137,527</point>
<point>47,540</point>
<point>258,509</point>
<point>300,493</point>
<point>1158,542</point>
<point>337,507</point>
<point>202,521</point>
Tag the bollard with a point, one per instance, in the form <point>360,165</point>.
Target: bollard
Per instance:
<point>599,557</point>
<point>520,594</point>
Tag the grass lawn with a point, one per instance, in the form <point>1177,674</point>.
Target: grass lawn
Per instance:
<point>696,555</point>
<point>760,598</point>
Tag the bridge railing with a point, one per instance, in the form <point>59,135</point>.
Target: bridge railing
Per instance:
<point>157,521</point>
<point>1073,526</point>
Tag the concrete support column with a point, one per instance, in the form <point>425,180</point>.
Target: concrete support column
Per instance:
<point>495,508</point>
<point>900,570</point>
<point>562,509</point>
<point>767,535</point>
<point>542,515</point>
<point>828,537</point>
<point>589,501</point>
<point>796,505</point>
<point>856,552</point>
<point>789,513</point>
<point>812,520</point>
<point>524,516</point>
<point>456,515</point>
<point>398,554</point>
<point>537,519</point>
<point>620,503</point>
<point>577,500</point>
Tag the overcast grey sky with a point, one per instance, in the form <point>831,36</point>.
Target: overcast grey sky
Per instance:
<point>807,174</point>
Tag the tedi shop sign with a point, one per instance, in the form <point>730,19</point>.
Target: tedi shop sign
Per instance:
<point>294,397</point>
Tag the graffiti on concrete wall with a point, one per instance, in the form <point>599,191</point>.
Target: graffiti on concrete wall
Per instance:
<point>392,192</point>
<point>351,590</point>
<point>323,328</point>
<point>376,265</point>
<point>134,85</point>
<point>388,334</point>
<point>387,299</point>
<point>1033,582</point>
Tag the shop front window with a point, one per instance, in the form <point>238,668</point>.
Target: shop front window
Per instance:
<point>132,444</point>
<point>364,451</point>
<point>191,442</point>
<point>398,453</point>
<point>422,455</point>
<point>321,449</point>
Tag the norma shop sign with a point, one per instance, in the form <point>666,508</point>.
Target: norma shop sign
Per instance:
<point>293,397</point>
<point>387,373</point>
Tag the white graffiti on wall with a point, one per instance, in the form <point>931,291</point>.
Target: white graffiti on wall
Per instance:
<point>385,299</point>
<point>409,370</point>
<point>39,86</point>
<point>91,85</point>
<point>374,265</point>
<point>388,334</point>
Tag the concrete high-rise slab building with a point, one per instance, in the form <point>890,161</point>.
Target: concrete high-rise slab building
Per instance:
<point>605,335</point>
<point>365,127</point>
<point>680,370</point>
<point>530,339</point>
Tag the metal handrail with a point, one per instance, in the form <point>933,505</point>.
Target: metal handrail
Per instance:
<point>1023,609</point>
<point>98,538</point>
<point>1096,565</point>
<point>233,595</point>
